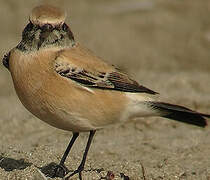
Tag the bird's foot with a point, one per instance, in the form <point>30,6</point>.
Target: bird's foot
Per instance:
<point>78,171</point>
<point>60,171</point>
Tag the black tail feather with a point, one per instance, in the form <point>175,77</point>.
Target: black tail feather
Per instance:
<point>180,113</point>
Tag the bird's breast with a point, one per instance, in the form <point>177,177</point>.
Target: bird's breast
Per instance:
<point>59,101</point>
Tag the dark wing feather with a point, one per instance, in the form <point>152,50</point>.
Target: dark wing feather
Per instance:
<point>123,83</point>
<point>110,80</point>
<point>180,113</point>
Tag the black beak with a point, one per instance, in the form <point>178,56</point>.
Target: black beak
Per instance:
<point>5,60</point>
<point>45,32</point>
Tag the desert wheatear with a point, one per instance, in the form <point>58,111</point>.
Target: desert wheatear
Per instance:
<point>69,87</point>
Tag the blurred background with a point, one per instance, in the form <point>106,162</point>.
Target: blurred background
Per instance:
<point>163,44</point>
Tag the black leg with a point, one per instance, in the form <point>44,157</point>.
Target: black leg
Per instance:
<point>73,139</point>
<point>61,170</point>
<point>82,164</point>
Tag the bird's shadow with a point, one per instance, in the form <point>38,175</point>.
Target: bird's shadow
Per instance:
<point>49,170</point>
<point>10,164</point>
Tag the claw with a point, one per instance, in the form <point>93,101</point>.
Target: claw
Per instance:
<point>78,171</point>
<point>60,171</point>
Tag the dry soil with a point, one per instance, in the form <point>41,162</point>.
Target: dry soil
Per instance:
<point>164,45</point>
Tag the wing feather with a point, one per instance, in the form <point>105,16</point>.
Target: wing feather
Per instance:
<point>82,66</point>
<point>110,80</point>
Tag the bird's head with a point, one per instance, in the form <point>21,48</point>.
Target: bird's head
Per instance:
<point>46,28</point>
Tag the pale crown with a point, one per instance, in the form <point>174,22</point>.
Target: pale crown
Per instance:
<point>47,14</point>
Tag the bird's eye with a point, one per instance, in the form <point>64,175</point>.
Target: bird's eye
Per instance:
<point>65,27</point>
<point>29,27</point>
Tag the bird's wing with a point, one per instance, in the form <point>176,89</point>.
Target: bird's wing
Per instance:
<point>82,66</point>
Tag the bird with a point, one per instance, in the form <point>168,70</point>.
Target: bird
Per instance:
<point>67,86</point>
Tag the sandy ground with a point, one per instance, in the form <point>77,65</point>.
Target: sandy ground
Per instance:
<point>163,44</point>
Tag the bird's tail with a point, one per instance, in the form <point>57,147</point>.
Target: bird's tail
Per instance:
<point>179,113</point>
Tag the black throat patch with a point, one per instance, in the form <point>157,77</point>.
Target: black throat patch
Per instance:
<point>35,37</point>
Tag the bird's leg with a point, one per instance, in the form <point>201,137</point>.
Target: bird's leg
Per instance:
<point>82,164</point>
<point>61,170</point>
